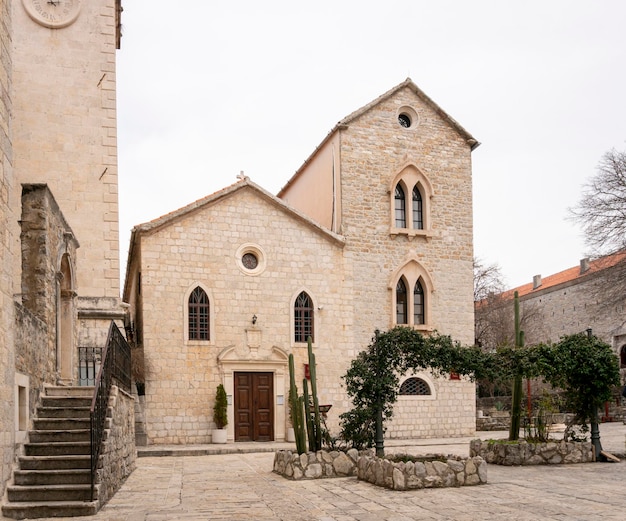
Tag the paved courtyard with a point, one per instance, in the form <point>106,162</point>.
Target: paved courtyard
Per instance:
<point>242,487</point>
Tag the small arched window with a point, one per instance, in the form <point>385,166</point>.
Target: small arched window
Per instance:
<point>418,303</point>
<point>198,315</point>
<point>401,303</point>
<point>303,318</point>
<point>415,387</point>
<point>418,220</point>
<point>400,207</point>
<point>622,356</point>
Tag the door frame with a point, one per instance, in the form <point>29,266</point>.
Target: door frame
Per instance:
<point>276,362</point>
<point>253,378</point>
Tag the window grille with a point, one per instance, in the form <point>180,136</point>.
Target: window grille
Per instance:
<point>198,315</point>
<point>303,318</point>
<point>415,387</point>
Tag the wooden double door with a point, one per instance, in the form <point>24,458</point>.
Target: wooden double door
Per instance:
<point>254,406</point>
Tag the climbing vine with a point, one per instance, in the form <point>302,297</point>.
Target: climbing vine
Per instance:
<point>583,366</point>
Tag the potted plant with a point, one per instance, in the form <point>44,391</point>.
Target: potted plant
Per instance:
<point>220,416</point>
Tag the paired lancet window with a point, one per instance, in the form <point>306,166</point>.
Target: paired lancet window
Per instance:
<point>410,307</point>
<point>401,206</point>
<point>198,315</point>
<point>303,318</point>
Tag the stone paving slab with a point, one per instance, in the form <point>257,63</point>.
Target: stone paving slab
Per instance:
<point>242,487</point>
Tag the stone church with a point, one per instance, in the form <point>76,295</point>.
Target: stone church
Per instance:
<point>59,247</point>
<point>373,231</point>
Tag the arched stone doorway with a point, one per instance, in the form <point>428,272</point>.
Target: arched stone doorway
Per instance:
<point>65,322</point>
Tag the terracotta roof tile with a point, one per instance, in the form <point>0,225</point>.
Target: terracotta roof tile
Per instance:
<point>569,275</point>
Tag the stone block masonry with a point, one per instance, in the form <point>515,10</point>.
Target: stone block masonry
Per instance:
<point>430,471</point>
<point>524,453</point>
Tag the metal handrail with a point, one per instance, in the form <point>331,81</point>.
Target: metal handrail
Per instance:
<point>115,365</point>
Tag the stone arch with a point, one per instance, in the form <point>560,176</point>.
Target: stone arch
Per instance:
<point>411,272</point>
<point>65,321</point>
<point>408,177</point>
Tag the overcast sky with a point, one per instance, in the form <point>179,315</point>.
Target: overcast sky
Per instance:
<point>209,88</point>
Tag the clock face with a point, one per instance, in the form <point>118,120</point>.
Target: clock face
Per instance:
<point>53,13</point>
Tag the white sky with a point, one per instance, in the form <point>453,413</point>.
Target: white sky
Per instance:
<point>209,88</point>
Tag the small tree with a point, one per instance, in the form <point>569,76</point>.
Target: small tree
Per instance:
<point>220,416</point>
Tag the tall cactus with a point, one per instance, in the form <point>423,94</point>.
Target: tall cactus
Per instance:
<point>317,430</point>
<point>296,409</point>
<point>305,416</point>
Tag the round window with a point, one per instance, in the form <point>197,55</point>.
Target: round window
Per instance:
<point>249,261</point>
<point>407,117</point>
<point>404,120</point>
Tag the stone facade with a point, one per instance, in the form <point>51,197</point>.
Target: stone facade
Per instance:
<point>430,471</point>
<point>526,453</point>
<point>59,140</point>
<point>74,127</point>
<point>332,233</point>
<point>8,254</point>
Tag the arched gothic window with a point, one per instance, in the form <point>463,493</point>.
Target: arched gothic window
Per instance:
<point>198,307</point>
<point>418,220</point>
<point>401,303</point>
<point>418,303</point>
<point>415,387</point>
<point>303,318</point>
<point>400,207</point>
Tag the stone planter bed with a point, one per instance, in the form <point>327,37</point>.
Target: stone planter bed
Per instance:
<point>430,471</point>
<point>502,452</point>
<point>316,465</point>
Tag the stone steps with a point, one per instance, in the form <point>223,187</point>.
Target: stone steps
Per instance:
<point>54,475</point>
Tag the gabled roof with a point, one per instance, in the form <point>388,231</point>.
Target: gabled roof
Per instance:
<point>170,218</point>
<point>471,141</point>
<point>173,217</point>
<point>570,275</point>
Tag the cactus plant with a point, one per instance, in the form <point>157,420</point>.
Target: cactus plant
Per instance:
<point>295,409</point>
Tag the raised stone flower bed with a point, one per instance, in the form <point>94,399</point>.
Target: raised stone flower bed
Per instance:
<point>316,465</point>
<point>502,452</point>
<point>431,471</point>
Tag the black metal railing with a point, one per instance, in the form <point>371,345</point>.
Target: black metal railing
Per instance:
<point>89,359</point>
<point>115,365</point>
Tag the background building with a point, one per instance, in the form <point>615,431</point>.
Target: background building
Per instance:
<point>374,230</point>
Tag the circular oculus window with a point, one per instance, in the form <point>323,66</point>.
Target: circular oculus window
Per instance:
<point>407,117</point>
<point>250,259</point>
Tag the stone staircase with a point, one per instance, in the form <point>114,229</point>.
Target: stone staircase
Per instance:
<point>54,477</point>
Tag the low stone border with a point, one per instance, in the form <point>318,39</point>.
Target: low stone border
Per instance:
<point>316,465</point>
<point>431,471</point>
<point>502,452</point>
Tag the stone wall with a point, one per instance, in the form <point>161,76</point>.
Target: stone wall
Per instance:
<point>119,454</point>
<point>525,453</point>
<point>316,465</point>
<point>32,357</point>
<point>48,270</point>
<point>9,253</point>
<point>430,471</point>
